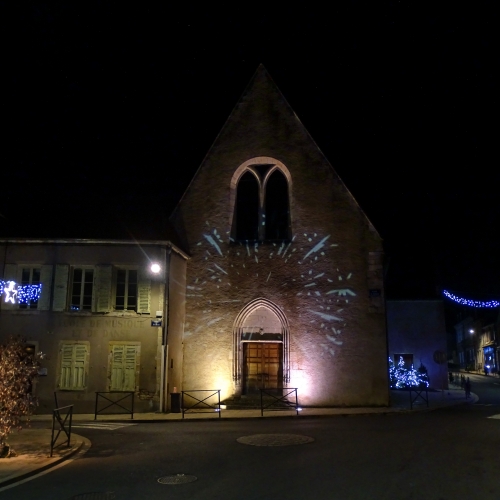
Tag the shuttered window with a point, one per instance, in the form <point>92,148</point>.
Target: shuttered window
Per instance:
<point>74,365</point>
<point>124,366</point>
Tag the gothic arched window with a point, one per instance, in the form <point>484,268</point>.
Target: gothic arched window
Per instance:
<point>262,205</point>
<point>277,207</point>
<point>247,208</point>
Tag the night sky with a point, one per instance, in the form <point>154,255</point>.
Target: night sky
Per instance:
<point>108,111</point>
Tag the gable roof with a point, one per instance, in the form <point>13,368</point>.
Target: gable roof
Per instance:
<point>261,105</point>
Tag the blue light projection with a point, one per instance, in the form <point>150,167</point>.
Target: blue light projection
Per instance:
<point>16,294</point>
<point>471,303</point>
<point>325,292</point>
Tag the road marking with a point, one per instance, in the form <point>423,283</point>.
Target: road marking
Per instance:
<point>495,416</point>
<point>100,425</point>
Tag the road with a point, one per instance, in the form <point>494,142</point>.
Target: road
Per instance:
<point>442,454</point>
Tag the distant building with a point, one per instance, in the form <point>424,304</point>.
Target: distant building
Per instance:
<point>417,333</point>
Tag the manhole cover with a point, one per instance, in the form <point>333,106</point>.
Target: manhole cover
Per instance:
<point>107,495</point>
<point>177,479</point>
<point>274,439</point>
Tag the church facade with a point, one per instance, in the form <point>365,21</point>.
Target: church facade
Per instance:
<point>284,283</point>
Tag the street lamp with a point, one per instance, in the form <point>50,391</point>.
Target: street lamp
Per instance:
<point>155,268</point>
<point>471,331</point>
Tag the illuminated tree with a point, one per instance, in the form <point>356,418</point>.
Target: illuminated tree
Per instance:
<point>18,369</point>
<point>401,377</point>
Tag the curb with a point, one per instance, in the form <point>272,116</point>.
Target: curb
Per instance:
<point>84,443</point>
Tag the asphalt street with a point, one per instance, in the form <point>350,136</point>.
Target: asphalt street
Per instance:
<point>442,454</point>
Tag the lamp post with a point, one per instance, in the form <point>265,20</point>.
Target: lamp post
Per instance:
<point>156,269</point>
<point>471,331</point>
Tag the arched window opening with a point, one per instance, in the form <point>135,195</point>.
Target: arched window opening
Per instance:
<point>260,197</point>
<point>247,208</point>
<point>277,207</point>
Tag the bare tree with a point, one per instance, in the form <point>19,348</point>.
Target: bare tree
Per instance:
<point>18,369</point>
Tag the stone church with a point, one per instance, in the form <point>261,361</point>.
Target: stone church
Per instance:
<point>284,284</point>
<point>274,280</point>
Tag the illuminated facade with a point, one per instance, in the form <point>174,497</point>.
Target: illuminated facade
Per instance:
<point>96,309</point>
<point>276,281</point>
<point>284,284</point>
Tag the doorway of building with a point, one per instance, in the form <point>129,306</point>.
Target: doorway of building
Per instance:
<point>262,366</point>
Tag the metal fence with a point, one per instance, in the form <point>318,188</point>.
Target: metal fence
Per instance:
<point>210,403</point>
<point>280,400</point>
<point>62,422</point>
<point>114,402</point>
<point>420,393</point>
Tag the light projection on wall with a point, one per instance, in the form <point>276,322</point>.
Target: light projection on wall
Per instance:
<point>471,303</point>
<point>322,290</point>
<point>16,294</point>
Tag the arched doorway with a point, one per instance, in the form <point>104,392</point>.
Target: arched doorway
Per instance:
<point>260,347</point>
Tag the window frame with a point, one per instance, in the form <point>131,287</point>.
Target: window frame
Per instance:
<point>31,268</point>
<point>73,366</point>
<point>126,296</point>
<point>137,363</point>
<point>70,294</point>
<point>252,166</point>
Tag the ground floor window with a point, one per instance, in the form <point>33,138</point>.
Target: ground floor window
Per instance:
<point>74,358</point>
<point>124,366</point>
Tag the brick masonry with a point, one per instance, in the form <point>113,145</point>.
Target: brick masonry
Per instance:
<point>327,282</point>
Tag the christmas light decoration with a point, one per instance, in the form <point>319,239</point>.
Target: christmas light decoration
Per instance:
<point>470,302</point>
<point>402,378</point>
<point>19,294</point>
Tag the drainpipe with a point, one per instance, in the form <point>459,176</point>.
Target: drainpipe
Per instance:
<point>164,388</point>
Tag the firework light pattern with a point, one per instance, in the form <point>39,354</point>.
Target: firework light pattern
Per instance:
<point>306,253</point>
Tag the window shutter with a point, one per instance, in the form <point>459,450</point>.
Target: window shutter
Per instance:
<point>66,362</point>
<point>117,368</point>
<point>79,366</point>
<point>60,287</point>
<point>129,372</point>
<point>103,276</point>
<point>144,294</point>
<point>46,282</point>
<point>124,360</point>
<point>10,272</point>
<point>73,366</point>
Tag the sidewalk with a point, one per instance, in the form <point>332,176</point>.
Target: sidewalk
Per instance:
<point>33,445</point>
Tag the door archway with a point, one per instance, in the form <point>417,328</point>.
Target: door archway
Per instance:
<point>261,347</point>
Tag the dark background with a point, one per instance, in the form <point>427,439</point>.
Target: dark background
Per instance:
<point>108,110</point>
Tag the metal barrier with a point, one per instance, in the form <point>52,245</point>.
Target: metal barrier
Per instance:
<point>201,405</point>
<point>418,395</point>
<point>56,415</point>
<point>279,403</point>
<point>114,402</point>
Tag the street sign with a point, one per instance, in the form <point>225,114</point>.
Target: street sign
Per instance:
<point>439,357</point>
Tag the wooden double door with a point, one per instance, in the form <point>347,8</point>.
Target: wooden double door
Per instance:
<point>262,366</point>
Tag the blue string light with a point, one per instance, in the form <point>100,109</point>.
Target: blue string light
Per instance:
<point>19,294</point>
<point>401,377</point>
<point>470,302</point>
